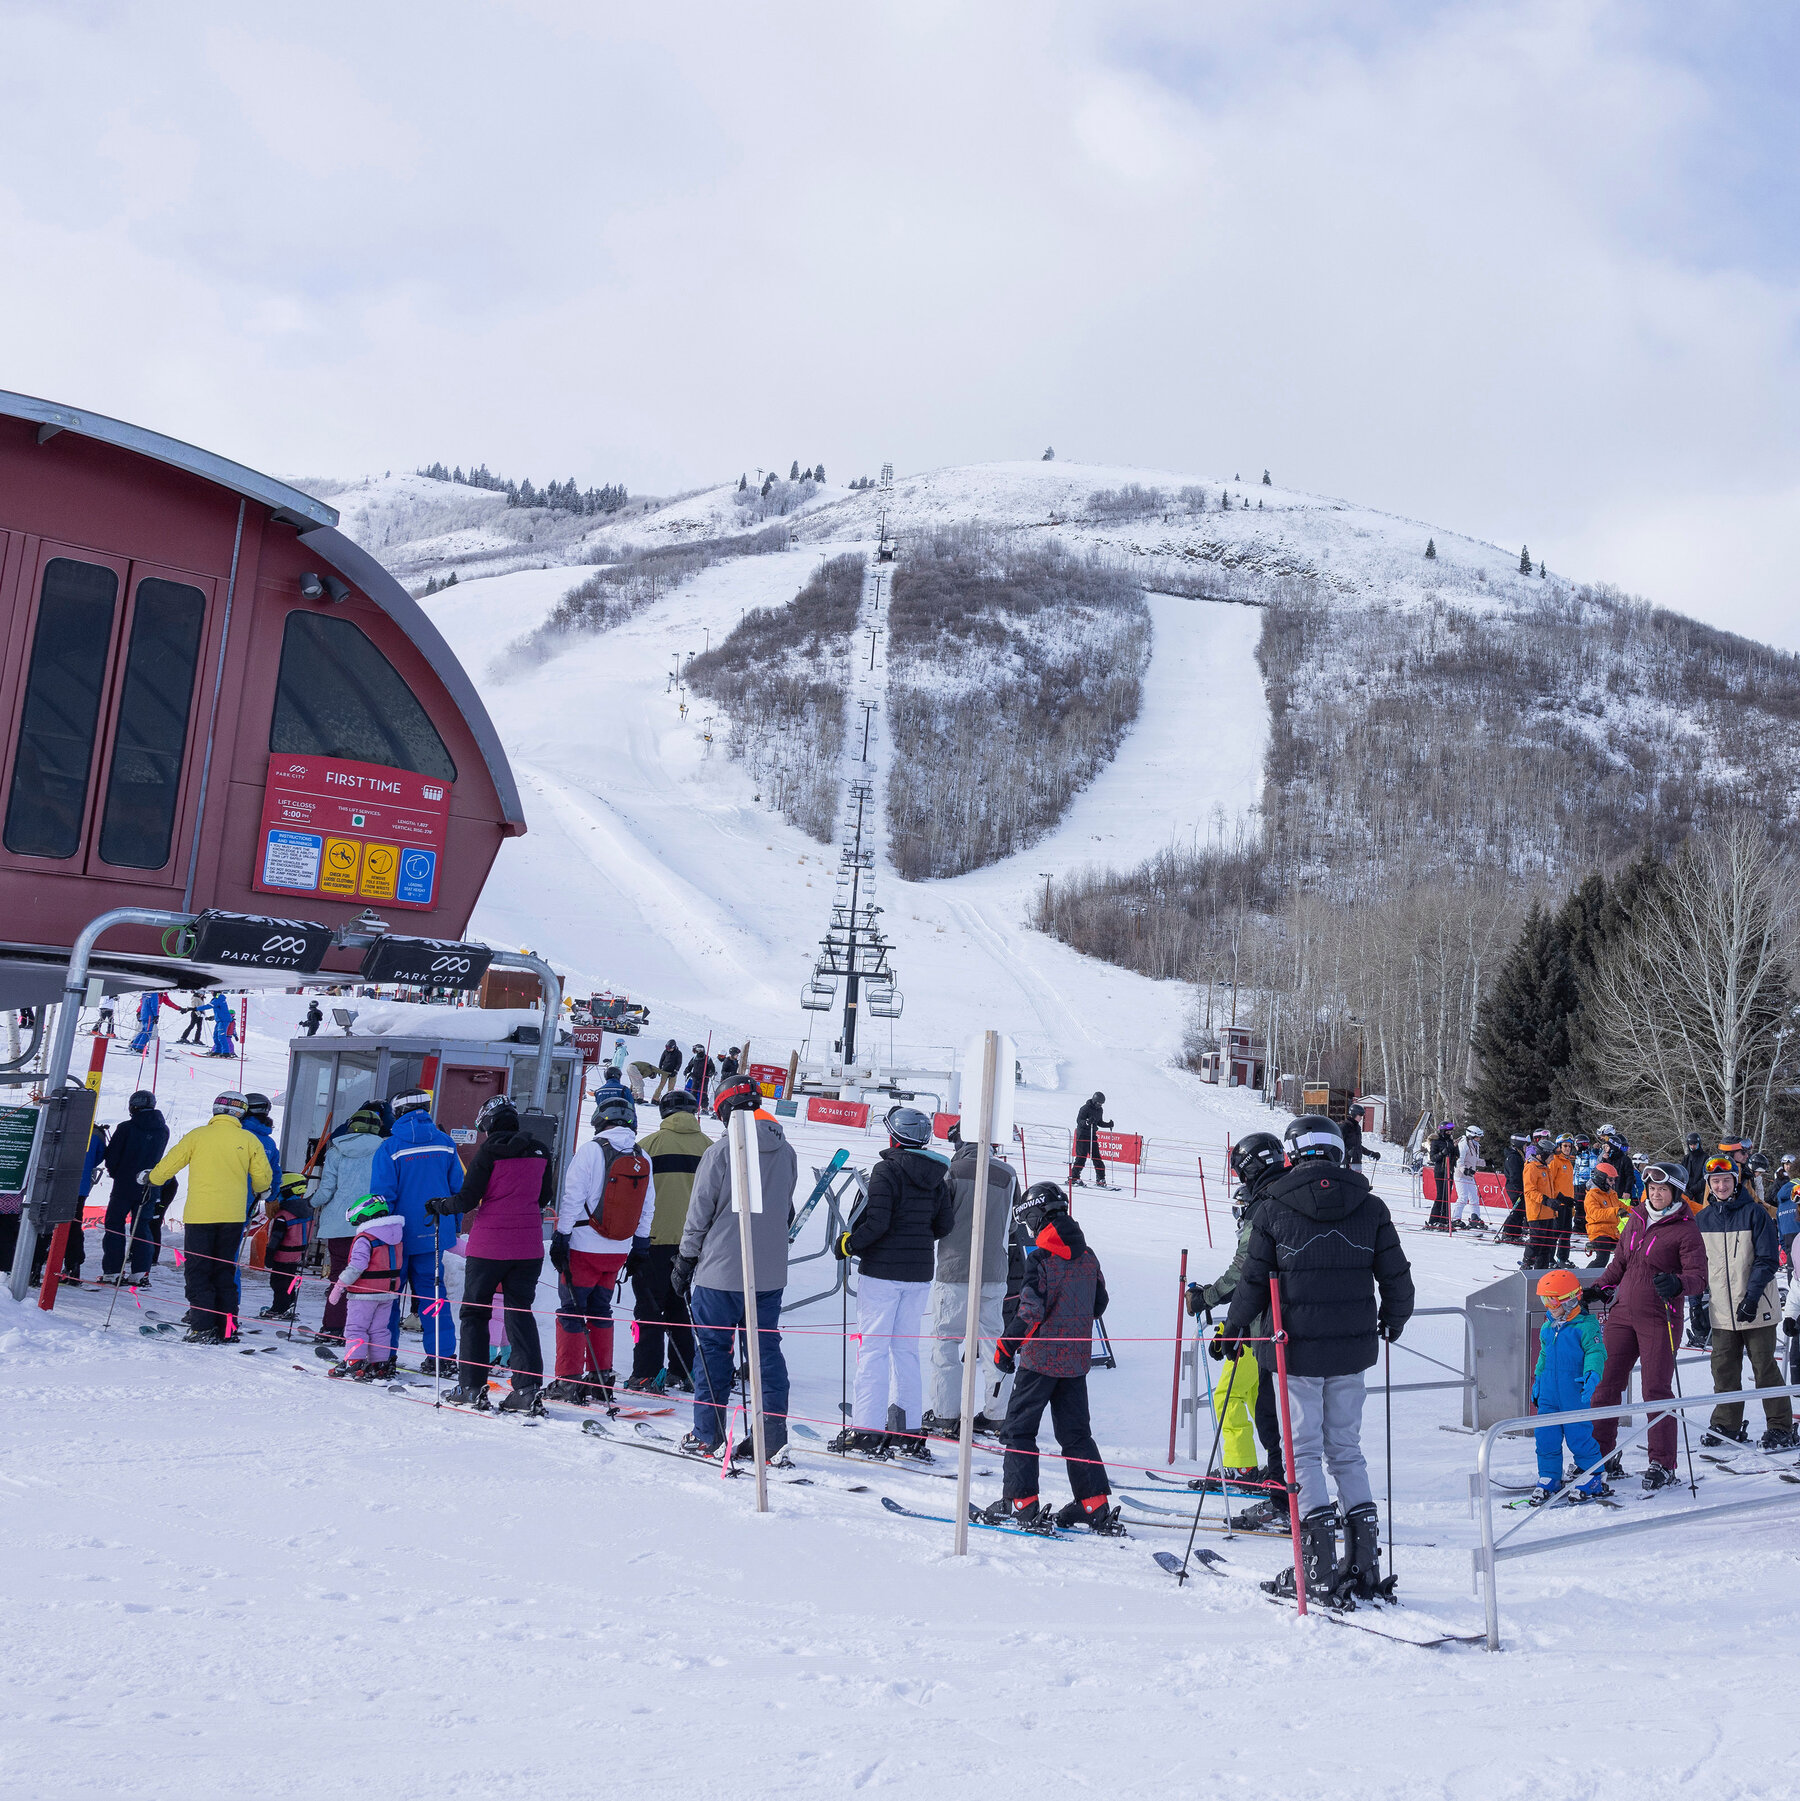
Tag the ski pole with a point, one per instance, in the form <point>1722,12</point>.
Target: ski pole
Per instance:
<point>1218,1431</point>
<point>1387,1398</point>
<point>1675,1371</point>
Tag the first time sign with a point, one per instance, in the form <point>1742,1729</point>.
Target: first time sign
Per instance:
<point>351,831</point>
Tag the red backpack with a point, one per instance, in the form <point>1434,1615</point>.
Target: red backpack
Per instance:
<point>622,1191</point>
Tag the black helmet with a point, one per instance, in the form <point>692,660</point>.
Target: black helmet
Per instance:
<point>258,1106</point>
<point>1099,1097</point>
<point>497,1115</point>
<point>613,1107</point>
<point>677,1100</point>
<point>1256,1158</point>
<point>1037,1204</point>
<point>1693,1141</point>
<point>908,1126</point>
<point>740,1091</point>
<point>1313,1135</point>
<point>142,1101</point>
<point>1355,1110</point>
<point>414,1100</point>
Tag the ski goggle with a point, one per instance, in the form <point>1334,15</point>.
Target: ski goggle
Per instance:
<point>1720,1166</point>
<point>1670,1178</point>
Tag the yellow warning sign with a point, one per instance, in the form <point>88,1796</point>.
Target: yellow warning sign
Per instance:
<point>337,873</point>
<point>381,864</point>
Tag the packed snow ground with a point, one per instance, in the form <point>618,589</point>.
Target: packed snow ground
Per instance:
<point>231,1576</point>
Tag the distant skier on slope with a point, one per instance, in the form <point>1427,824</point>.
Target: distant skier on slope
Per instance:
<point>1087,1124</point>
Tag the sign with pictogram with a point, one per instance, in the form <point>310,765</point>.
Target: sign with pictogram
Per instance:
<point>352,831</point>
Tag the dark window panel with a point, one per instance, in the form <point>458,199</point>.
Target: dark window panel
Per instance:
<point>61,708</point>
<point>338,696</point>
<point>145,781</point>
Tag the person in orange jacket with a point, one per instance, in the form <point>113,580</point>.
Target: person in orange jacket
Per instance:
<point>1562,1181</point>
<point>1604,1205</point>
<point>1540,1208</point>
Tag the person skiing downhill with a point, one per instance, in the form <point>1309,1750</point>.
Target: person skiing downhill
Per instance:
<point>910,1205</point>
<point>1088,1125</point>
<point>607,1206</point>
<point>1345,1286</point>
<point>1051,1345</point>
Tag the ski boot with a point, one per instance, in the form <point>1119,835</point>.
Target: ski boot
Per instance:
<point>777,1459</point>
<point>272,1312</point>
<point>202,1335</point>
<point>1614,1468</point>
<point>527,1401</point>
<point>991,1427</point>
<point>470,1394</point>
<point>1779,1438</point>
<point>1095,1515</point>
<point>380,1372</point>
<point>1656,1477</point>
<point>438,1366</point>
<point>1318,1559</point>
<point>1360,1573</point>
<point>641,1385</point>
<point>1545,1491</point>
<point>356,1368</point>
<point>910,1445</point>
<point>1717,1435</point>
<point>935,1425</point>
<point>1025,1515</point>
<point>864,1444</point>
<point>691,1446</point>
<point>677,1383</point>
<point>1592,1491</point>
<point>573,1392</point>
<point>412,1323</point>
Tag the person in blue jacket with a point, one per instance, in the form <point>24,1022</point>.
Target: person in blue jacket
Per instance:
<point>1571,1357</point>
<point>224,1026</point>
<point>415,1164</point>
<point>150,1008</point>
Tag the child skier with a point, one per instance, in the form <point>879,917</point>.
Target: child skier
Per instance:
<point>1570,1359</point>
<point>368,1283</point>
<point>1050,1341</point>
<point>289,1232</point>
<point>1604,1205</point>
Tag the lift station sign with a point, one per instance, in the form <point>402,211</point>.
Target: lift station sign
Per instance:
<point>351,831</point>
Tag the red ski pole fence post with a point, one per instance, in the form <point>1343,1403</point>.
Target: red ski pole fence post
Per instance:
<point>1175,1391</point>
<point>1206,1211</point>
<point>1287,1443</point>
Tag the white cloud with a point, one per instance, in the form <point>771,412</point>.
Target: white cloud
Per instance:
<point>1421,259</point>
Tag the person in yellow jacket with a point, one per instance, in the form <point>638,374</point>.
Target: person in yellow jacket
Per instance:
<point>1540,1209</point>
<point>225,1164</point>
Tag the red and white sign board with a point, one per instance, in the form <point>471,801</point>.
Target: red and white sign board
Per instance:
<point>351,831</point>
<point>941,1124</point>
<point>1490,1185</point>
<point>1120,1147</point>
<point>587,1040</point>
<point>837,1113</point>
<point>771,1078</point>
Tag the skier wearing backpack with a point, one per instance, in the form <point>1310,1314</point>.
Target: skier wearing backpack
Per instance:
<point>709,1275</point>
<point>674,1150</point>
<point>608,1203</point>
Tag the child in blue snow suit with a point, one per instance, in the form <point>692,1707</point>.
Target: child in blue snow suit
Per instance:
<point>1571,1356</point>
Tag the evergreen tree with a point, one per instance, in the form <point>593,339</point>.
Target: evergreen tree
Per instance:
<point>1525,559</point>
<point>1049,455</point>
<point>1540,567</point>
<point>794,470</point>
<point>1522,1043</point>
<point>743,484</point>
<point>1266,483</point>
<point>451,583</point>
<point>1431,550</point>
<point>819,474</point>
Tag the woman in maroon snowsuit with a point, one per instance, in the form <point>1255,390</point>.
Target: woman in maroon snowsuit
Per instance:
<point>1660,1258</point>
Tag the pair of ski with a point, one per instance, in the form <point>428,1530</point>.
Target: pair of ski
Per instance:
<point>1218,1566</point>
<point>1784,1473</point>
<point>798,1429</point>
<point>646,1438</point>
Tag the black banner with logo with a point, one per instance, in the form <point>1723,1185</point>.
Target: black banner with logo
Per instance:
<point>428,962</point>
<point>257,943</point>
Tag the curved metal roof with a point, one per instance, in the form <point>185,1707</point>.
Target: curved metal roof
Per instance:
<point>285,502</point>
<point>317,526</point>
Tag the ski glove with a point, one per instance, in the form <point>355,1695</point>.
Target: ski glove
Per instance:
<point>1221,1347</point>
<point>681,1276</point>
<point>1791,1327</point>
<point>559,1253</point>
<point>1746,1308</point>
<point>1667,1284</point>
<point>1004,1358</point>
<point>443,1204</point>
<point>1388,1332</point>
<point>1191,1300</point>
<point>1369,1153</point>
<point>840,1247</point>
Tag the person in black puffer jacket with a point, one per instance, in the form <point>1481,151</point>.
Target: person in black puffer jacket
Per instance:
<point>910,1206</point>
<point>1051,1342</point>
<point>131,1213</point>
<point>1321,1230</point>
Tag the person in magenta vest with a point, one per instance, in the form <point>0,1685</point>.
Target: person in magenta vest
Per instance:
<point>503,1194</point>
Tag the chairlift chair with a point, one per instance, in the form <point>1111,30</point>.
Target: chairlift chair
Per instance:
<point>817,997</point>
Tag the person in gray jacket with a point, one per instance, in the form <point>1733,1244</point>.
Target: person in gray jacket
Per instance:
<point>709,1275</point>
<point>949,1304</point>
<point>344,1180</point>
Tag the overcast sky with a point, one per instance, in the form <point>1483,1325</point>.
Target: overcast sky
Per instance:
<point>1529,271</point>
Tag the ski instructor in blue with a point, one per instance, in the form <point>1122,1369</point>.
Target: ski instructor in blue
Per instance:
<point>415,1163</point>
<point>1323,1232</point>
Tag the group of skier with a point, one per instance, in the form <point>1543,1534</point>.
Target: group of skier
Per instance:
<point>214,1009</point>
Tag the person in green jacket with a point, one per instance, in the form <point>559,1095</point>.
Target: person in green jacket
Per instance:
<point>674,1149</point>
